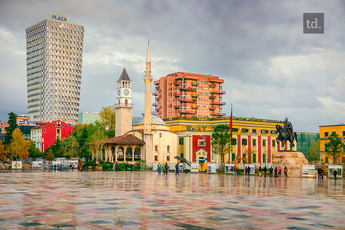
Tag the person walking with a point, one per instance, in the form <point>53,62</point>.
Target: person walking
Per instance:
<point>265,170</point>
<point>335,173</point>
<point>131,166</point>
<point>260,171</point>
<point>159,169</point>
<point>126,166</point>
<point>166,167</point>
<point>135,167</point>
<point>275,172</point>
<point>280,171</point>
<point>177,169</point>
<point>285,171</point>
<point>271,171</point>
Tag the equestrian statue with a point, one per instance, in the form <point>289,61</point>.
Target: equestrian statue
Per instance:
<point>286,133</point>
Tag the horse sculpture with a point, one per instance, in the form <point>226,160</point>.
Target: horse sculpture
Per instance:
<point>286,133</point>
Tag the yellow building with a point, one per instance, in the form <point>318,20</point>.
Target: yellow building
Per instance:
<point>325,132</point>
<point>254,140</point>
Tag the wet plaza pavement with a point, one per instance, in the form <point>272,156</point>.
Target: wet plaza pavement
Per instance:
<point>145,200</point>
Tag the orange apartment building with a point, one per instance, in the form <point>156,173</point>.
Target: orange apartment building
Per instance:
<point>189,95</point>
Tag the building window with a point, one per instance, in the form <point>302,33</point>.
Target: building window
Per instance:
<point>160,134</point>
<point>334,132</point>
<point>180,141</point>
<point>254,158</point>
<point>168,157</point>
<point>264,158</point>
<point>273,143</point>
<point>244,142</point>
<point>253,130</point>
<point>156,148</point>
<point>156,157</point>
<point>326,134</point>
<point>201,142</point>
<point>168,148</point>
<point>263,143</point>
<point>206,82</point>
<point>233,141</point>
<point>254,142</point>
<point>343,133</point>
<point>44,130</point>
<point>58,133</point>
<point>326,160</point>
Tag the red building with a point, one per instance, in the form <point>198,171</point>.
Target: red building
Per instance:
<point>45,135</point>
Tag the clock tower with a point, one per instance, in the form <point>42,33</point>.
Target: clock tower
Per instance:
<point>123,105</point>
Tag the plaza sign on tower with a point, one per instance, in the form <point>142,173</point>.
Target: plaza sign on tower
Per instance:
<point>59,17</point>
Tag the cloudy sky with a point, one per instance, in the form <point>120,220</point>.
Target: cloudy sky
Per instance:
<point>271,69</point>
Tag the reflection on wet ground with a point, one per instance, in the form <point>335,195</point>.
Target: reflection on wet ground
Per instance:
<point>145,200</point>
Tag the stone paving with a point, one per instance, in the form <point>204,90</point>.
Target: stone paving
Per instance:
<point>145,200</point>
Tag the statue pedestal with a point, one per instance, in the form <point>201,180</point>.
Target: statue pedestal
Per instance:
<point>292,160</point>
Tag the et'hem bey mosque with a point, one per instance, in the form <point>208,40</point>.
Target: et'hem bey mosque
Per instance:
<point>149,139</point>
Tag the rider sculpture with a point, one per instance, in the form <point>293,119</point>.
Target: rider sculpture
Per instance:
<point>286,133</point>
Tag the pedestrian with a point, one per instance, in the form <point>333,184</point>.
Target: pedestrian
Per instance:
<point>126,166</point>
<point>177,169</point>
<point>335,173</point>
<point>265,170</point>
<point>285,171</point>
<point>235,170</point>
<point>271,171</point>
<point>321,170</point>
<point>159,169</point>
<point>280,171</point>
<point>260,171</point>
<point>131,166</point>
<point>115,167</point>
<point>166,167</point>
<point>275,172</point>
<point>135,167</point>
<point>246,170</point>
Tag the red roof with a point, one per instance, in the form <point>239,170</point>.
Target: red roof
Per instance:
<point>127,139</point>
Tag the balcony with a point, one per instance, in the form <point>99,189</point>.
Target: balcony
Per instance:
<point>176,83</point>
<point>212,97</point>
<point>194,95</point>
<point>154,104</point>
<point>157,87</point>
<point>217,103</point>
<point>218,114</point>
<point>212,108</point>
<point>212,85</point>
<point>177,94</point>
<point>177,106</point>
<point>217,92</point>
<point>187,89</point>
<point>194,83</point>
<point>187,100</point>
<point>195,106</point>
<point>154,94</point>
<point>186,111</point>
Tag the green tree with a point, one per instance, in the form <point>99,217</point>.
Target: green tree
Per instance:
<point>221,141</point>
<point>98,138</point>
<point>334,147</point>
<point>34,152</point>
<point>58,148</point>
<point>12,121</point>
<point>313,152</point>
<point>107,117</point>
<point>71,147</point>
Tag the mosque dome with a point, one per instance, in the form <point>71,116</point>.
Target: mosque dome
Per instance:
<point>154,121</point>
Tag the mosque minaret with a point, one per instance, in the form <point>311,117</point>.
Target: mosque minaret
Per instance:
<point>148,151</point>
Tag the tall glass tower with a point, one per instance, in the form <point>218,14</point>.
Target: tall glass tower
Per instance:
<point>54,50</point>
